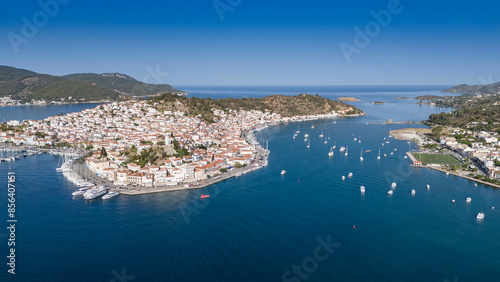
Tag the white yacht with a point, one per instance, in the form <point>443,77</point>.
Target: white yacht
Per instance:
<point>321,135</point>
<point>342,149</point>
<point>330,154</point>
<point>362,189</point>
<point>350,174</point>
<point>283,172</point>
<point>361,156</point>
<point>393,185</point>
<point>111,195</point>
<point>390,192</point>
<point>378,158</point>
<point>94,193</point>
<point>480,216</point>
<point>468,200</point>
<point>80,191</point>
<point>343,177</point>
<point>413,192</point>
<point>428,187</point>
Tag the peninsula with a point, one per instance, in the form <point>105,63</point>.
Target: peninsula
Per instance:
<point>172,142</point>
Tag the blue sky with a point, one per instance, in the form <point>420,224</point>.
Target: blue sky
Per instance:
<point>257,42</point>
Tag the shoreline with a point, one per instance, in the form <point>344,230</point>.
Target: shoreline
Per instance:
<point>129,190</point>
<point>460,175</point>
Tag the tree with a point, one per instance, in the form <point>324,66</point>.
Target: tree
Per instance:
<point>223,170</point>
<point>104,153</point>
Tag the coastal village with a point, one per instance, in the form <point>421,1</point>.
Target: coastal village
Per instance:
<point>181,149</point>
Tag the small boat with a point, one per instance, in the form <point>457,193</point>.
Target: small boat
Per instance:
<point>395,149</point>
<point>368,151</point>
<point>283,172</point>
<point>362,189</point>
<point>306,135</point>
<point>468,200</point>
<point>238,174</point>
<point>447,173</point>
<point>361,156</point>
<point>350,174</point>
<point>321,135</point>
<point>326,141</point>
<point>312,126</point>
<point>392,153</point>
<point>492,208</point>
<point>305,140</point>
<point>111,195</point>
<point>475,184</point>
<point>347,150</point>
<point>405,157</point>
<point>453,201</point>
<point>480,216</point>
<point>308,144</point>
<point>428,187</point>
<point>378,158</point>
<point>390,192</point>
<point>343,177</point>
<point>413,192</point>
<point>204,196</point>
<point>355,138</point>
<point>385,155</point>
<point>393,185</point>
<point>330,154</point>
<point>382,144</point>
<point>342,149</point>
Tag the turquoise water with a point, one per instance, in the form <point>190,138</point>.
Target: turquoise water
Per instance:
<point>257,226</point>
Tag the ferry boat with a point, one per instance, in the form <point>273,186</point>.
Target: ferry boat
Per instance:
<point>362,189</point>
<point>204,196</point>
<point>111,195</point>
<point>480,216</point>
<point>283,172</point>
<point>468,200</point>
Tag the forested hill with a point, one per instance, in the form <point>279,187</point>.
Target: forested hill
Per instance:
<point>27,85</point>
<point>286,106</point>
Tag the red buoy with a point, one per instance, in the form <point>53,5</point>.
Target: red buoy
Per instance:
<point>299,180</point>
<point>354,227</point>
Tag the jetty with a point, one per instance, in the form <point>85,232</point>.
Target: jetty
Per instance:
<point>390,121</point>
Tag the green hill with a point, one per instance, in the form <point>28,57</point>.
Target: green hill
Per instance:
<point>286,106</point>
<point>122,84</point>
<point>27,85</point>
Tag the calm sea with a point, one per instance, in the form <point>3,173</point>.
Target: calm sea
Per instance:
<point>307,225</point>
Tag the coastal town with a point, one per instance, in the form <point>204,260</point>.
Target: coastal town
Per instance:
<point>478,153</point>
<point>131,143</point>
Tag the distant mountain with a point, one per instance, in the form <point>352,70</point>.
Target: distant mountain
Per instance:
<point>122,84</point>
<point>26,85</point>
<point>493,88</point>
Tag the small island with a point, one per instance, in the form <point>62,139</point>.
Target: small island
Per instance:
<point>378,102</point>
<point>348,99</point>
<point>403,98</point>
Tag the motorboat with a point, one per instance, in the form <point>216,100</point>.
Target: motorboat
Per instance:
<point>362,189</point>
<point>468,200</point>
<point>480,216</point>
<point>413,192</point>
<point>393,185</point>
<point>350,174</point>
<point>390,192</point>
<point>111,195</point>
<point>283,172</point>
<point>204,196</point>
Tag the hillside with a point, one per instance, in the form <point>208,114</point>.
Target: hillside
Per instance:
<point>122,84</point>
<point>28,86</point>
<point>493,88</point>
<point>286,106</point>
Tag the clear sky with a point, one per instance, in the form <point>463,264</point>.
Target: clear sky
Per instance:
<point>243,42</point>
